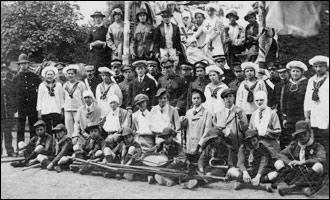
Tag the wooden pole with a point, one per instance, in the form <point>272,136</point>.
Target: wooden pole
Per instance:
<point>262,40</point>
<point>126,33</point>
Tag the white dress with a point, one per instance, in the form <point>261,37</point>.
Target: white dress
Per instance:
<point>216,103</point>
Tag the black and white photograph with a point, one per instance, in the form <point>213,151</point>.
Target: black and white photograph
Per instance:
<point>164,99</point>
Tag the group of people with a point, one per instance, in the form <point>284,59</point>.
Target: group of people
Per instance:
<point>264,128</point>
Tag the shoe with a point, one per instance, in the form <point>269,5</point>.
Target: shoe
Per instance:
<point>307,191</point>
<point>18,164</point>
<point>32,162</point>
<point>190,184</point>
<point>58,169</point>
<point>84,170</point>
<point>119,176</point>
<point>129,176</point>
<point>44,163</point>
<point>287,190</point>
<point>151,180</point>
<point>74,168</point>
<point>160,180</point>
<point>238,186</point>
<point>267,187</point>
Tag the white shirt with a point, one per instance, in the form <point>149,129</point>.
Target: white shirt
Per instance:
<point>160,120</point>
<point>168,35</point>
<point>112,123</point>
<point>319,109</point>
<point>50,104</point>
<point>142,123</point>
<point>227,111</point>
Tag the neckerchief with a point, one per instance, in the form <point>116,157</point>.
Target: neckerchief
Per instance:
<point>302,149</point>
<point>214,92</point>
<point>250,90</point>
<point>51,88</point>
<point>104,94</point>
<point>315,95</point>
<point>294,85</point>
<point>73,89</point>
<point>58,143</point>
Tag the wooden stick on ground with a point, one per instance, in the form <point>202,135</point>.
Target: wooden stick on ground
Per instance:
<point>13,159</point>
<point>32,166</point>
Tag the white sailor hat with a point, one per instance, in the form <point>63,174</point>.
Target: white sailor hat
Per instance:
<point>70,67</point>
<point>211,5</point>
<point>316,59</point>
<point>248,65</point>
<point>297,64</point>
<point>113,98</point>
<point>106,70</point>
<point>49,68</point>
<point>214,68</point>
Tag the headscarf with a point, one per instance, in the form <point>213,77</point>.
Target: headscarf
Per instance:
<point>261,95</point>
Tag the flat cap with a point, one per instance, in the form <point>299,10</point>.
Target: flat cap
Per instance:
<point>301,126</point>
<point>39,123</point>
<point>140,98</point>
<point>226,92</point>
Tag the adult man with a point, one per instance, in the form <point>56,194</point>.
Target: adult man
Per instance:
<point>89,113</point>
<point>172,82</point>
<point>301,164</point>
<point>96,43</point>
<point>26,84</point>
<point>60,76</point>
<point>124,85</point>
<point>232,121</point>
<point>154,68</point>
<point>142,40</point>
<point>253,163</point>
<point>316,105</point>
<point>239,74</point>
<point>115,66</point>
<point>39,148</point>
<point>220,61</point>
<point>92,80</point>
<point>272,80</point>
<point>142,84</point>
<point>235,37</point>
<point>8,108</point>
<point>251,30</point>
<point>167,35</point>
<point>187,76</point>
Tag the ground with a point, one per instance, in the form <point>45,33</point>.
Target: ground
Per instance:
<point>43,184</point>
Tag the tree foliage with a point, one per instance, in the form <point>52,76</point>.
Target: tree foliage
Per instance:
<point>40,29</point>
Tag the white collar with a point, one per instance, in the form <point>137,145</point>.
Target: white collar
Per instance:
<point>228,109</point>
<point>141,78</point>
<point>115,112</point>
<point>164,108</point>
<point>198,108</point>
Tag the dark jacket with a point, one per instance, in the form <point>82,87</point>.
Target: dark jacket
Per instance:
<point>261,159</point>
<point>280,89</point>
<point>26,89</point>
<point>255,31</point>
<point>294,105</point>
<point>174,85</point>
<point>160,38</point>
<point>65,148</point>
<point>147,87</point>
<point>125,157</point>
<point>93,83</point>
<point>124,86</point>
<point>94,145</point>
<point>98,56</point>
<point>46,141</point>
<point>313,153</point>
<point>229,76</point>
<point>235,84</point>
<point>8,99</point>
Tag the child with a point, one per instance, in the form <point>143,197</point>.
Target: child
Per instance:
<point>194,54</point>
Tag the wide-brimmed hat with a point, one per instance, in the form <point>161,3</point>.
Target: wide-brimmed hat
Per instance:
<point>91,126</point>
<point>316,59</point>
<point>70,67</point>
<point>23,58</point>
<point>226,92</point>
<point>49,68</point>
<point>200,93</point>
<point>59,127</point>
<point>251,12</point>
<point>297,64</point>
<point>214,68</point>
<point>97,13</point>
<point>140,98</point>
<point>168,132</point>
<point>140,11</point>
<point>106,70</point>
<point>250,133</point>
<point>233,13</point>
<point>160,91</point>
<point>39,123</point>
<point>301,126</point>
<point>199,11</point>
<point>140,63</point>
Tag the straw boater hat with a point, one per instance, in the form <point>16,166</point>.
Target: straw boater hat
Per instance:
<point>319,59</point>
<point>106,70</point>
<point>140,63</point>
<point>297,64</point>
<point>233,13</point>
<point>49,68</point>
<point>70,67</point>
<point>23,58</point>
<point>97,13</point>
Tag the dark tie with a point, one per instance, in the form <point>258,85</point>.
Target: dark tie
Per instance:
<point>88,110</point>
<point>229,112</point>
<point>162,110</point>
<point>260,115</point>
<point>195,112</point>
<point>143,114</point>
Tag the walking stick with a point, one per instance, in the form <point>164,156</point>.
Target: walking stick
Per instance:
<point>302,173</point>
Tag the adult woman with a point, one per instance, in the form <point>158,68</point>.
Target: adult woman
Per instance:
<point>293,109</point>
<point>115,35</point>
<point>212,27</point>
<point>199,19</point>
<point>214,103</point>
<point>266,122</point>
